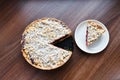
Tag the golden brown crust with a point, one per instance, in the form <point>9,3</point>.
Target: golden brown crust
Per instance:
<point>27,57</point>
<point>95,24</point>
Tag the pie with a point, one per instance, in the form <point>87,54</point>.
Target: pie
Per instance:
<point>38,41</point>
<point>93,32</point>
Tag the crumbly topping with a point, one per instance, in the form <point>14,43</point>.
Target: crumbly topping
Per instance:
<point>94,31</point>
<point>38,37</point>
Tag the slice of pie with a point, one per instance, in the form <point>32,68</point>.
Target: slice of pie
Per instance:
<point>38,43</point>
<point>93,32</point>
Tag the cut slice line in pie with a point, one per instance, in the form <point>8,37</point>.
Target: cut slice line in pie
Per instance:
<point>38,43</point>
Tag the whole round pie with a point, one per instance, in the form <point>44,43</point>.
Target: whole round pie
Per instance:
<point>38,41</point>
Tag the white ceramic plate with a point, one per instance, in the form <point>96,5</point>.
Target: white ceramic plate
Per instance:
<point>80,38</point>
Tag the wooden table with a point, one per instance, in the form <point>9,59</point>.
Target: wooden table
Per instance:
<point>17,14</point>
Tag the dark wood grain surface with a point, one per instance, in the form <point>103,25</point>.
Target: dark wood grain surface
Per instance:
<point>15,15</point>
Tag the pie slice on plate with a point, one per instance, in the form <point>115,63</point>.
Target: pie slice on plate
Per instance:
<point>93,32</point>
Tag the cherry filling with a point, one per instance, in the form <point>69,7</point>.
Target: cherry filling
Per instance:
<point>87,37</point>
